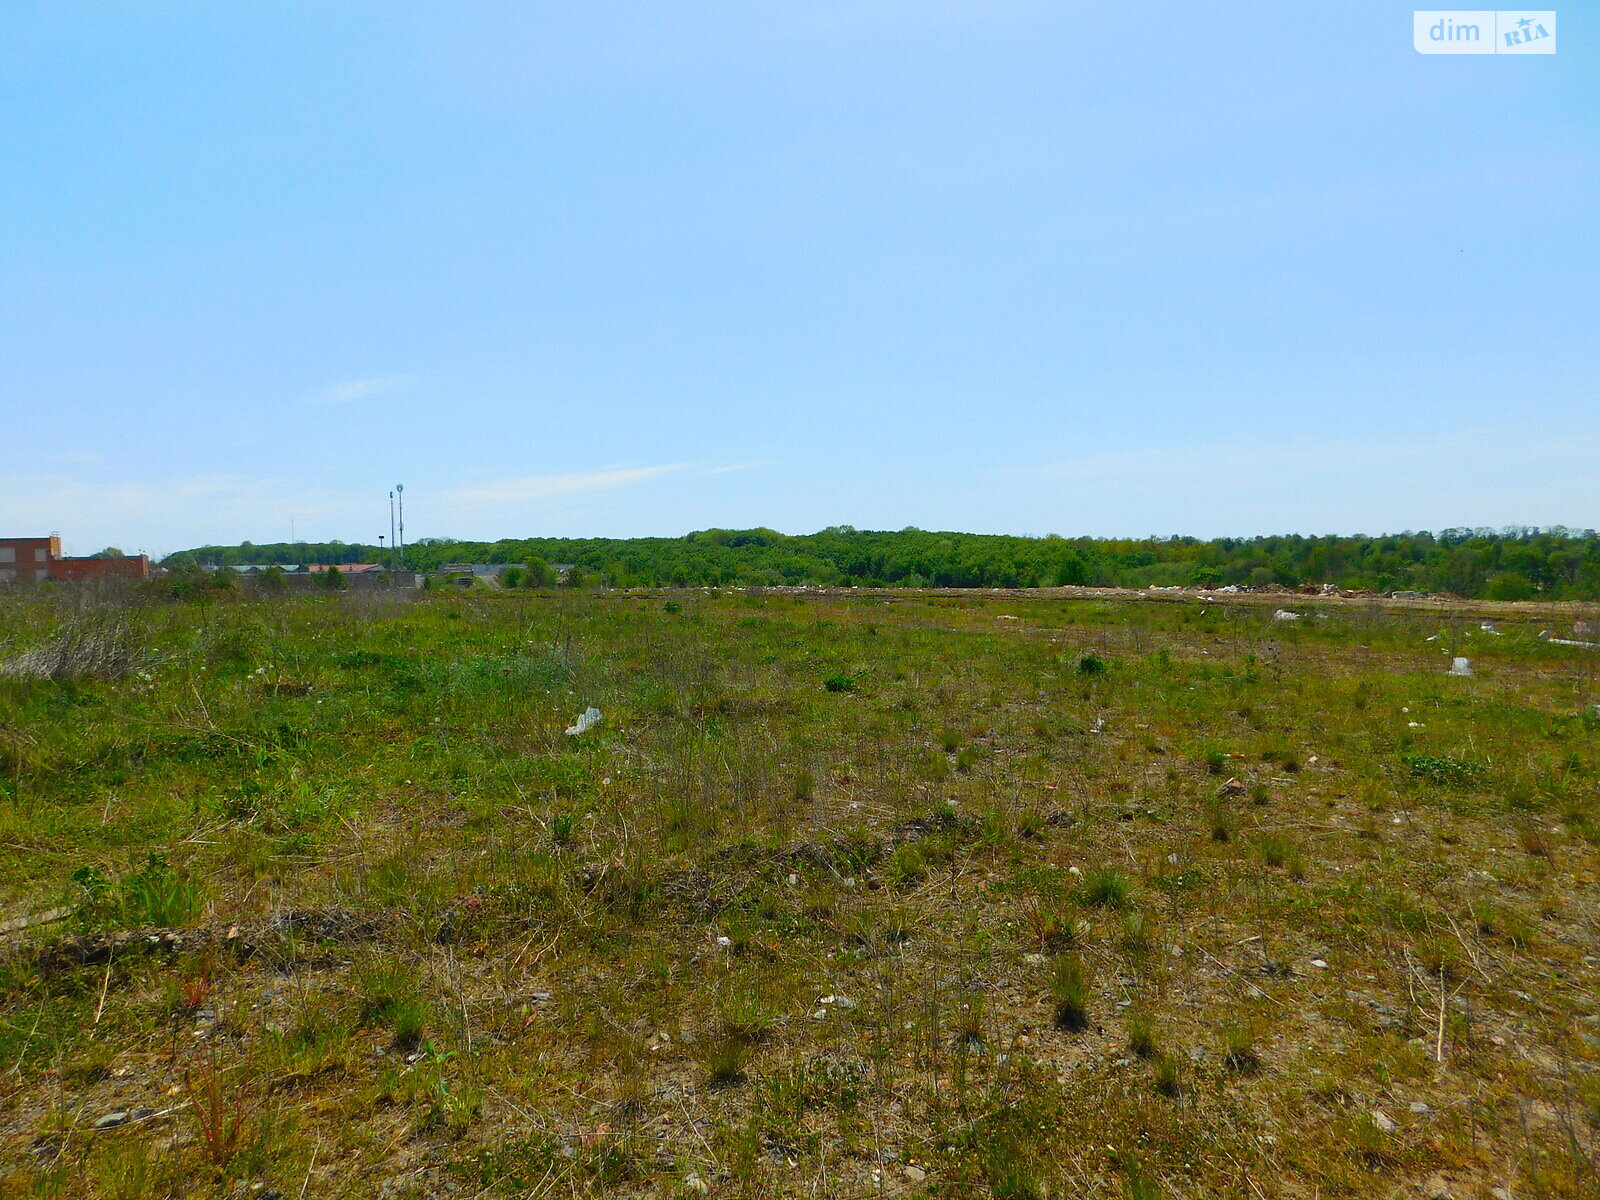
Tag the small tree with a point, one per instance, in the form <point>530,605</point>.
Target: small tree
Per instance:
<point>331,579</point>
<point>273,580</point>
<point>535,574</point>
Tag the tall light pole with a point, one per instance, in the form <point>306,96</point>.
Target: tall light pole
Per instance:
<point>400,495</point>
<point>392,543</point>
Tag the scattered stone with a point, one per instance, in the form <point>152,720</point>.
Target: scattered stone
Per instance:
<point>1382,1121</point>
<point>113,1119</point>
<point>1502,1194</point>
<point>695,1184</point>
<point>1320,964</point>
<point>1421,1109</point>
<point>915,1174</point>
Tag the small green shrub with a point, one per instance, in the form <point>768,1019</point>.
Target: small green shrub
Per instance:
<point>156,894</point>
<point>1442,769</point>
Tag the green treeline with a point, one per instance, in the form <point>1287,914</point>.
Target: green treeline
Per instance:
<point>1508,564</point>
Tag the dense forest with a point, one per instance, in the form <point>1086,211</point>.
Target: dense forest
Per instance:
<point>1507,564</point>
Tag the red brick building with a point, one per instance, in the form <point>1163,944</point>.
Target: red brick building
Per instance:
<point>34,560</point>
<point>27,560</point>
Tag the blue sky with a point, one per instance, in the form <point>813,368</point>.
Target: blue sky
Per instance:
<point>627,268</point>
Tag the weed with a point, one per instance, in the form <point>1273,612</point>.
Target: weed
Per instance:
<point>561,828</point>
<point>1141,1027</point>
<point>218,1108</point>
<point>1070,988</point>
<point>1106,887</point>
<point>1050,922</point>
<point>1239,1053</point>
<point>156,894</point>
<point>1138,932</point>
<point>1442,769</point>
<point>1276,850</point>
<point>1169,1076</point>
<point>124,1170</point>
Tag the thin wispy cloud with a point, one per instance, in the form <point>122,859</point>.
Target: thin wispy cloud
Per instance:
<point>750,466</point>
<point>78,458</point>
<point>534,488</point>
<point>353,390</point>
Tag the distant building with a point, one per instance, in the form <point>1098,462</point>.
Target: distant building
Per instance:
<point>36,560</point>
<point>27,560</point>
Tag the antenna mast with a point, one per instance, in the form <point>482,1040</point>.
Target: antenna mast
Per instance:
<point>400,495</point>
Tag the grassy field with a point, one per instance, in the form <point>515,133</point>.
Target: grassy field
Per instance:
<point>845,895</point>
